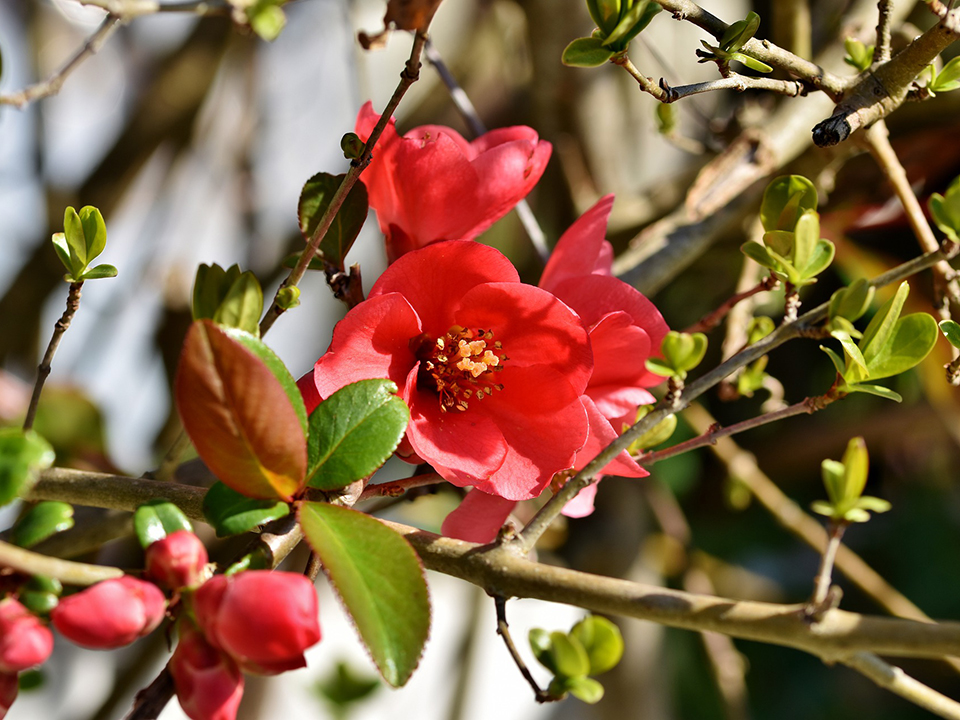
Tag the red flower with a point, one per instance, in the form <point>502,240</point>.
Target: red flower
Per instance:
<point>176,561</point>
<point>110,614</point>
<point>491,369</point>
<point>264,620</point>
<point>209,684</point>
<point>625,329</point>
<point>24,640</point>
<point>432,185</point>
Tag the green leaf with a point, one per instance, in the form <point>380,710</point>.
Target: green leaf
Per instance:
<point>42,521</point>
<point>632,23</point>
<point>948,78</point>
<point>659,433</point>
<point>913,338</point>
<point>608,14</point>
<point>76,240</point>
<point>586,689</point>
<point>99,272</point>
<point>380,581</point>
<point>23,454</point>
<point>586,52</point>
<point>41,594</point>
<point>805,238</point>
<point>353,432</point>
<point>602,641</point>
<point>881,327</point>
<point>759,327</point>
<point>210,287</point>
<point>315,198</point>
<point>242,306</point>
<point>945,210</point>
<point>821,507</point>
<point>858,55</point>
<point>951,331</point>
<point>836,359</point>
<point>760,255</point>
<point>73,267</point>
<point>231,513</point>
<point>241,418</point>
<point>851,302</point>
<point>344,687</point>
<point>156,519</point>
<point>352,146</point>
<point>856,467</point>
<point>658,367</point>
<point>833,473</point>
<point>737,35</point>
<point>873,504</point>
<point>823,253</point>
<point>877,390</point>
<point>541,646</point>
<point>751,62</point>
<point>857,515</point>
<point>785,200</point>
<point>569,656</point>
<point>853,355</point>
<point>94,232</point>
<point>683,351</point>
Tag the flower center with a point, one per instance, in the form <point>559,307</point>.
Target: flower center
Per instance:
<point>460,366</point>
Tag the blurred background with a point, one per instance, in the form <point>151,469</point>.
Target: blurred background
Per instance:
<point>194,137</point>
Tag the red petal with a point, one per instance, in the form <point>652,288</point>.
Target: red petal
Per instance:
<point>582,503</point>
<point>601,435</point>
<point>582,249</point>
<point>478,518</point>
<point>372,341</point>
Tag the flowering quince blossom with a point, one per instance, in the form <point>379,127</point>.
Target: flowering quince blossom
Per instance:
<point>110,614</point>
<point>431,184</point>
<point>24,640</point>
<point>264,620</point>
<point>177,560</point>
<point>491,369</point>
<point>625,329</point>
<point>208,682</point>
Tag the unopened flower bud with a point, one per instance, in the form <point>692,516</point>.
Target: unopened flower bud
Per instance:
<point>24,640</point>
<point>208,682</point>
<point>110,614</point>
<point>263,619</point>
<point>176,561</point>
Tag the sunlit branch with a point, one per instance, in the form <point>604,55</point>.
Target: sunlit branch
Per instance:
<point>646,84</point>
<point>898,682</point>
<point>881,50</point>
<point>740,83</point>
<point>67,571</point>
<point>52,85</point>
<point>711,320</point>
<point>396,488</point>
<point>804,324</point>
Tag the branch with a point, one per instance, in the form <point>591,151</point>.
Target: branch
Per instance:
<point>881,50</point>
<point>410,74</point>
<point>503,630</point>
<point>396,488</point>
<point>72,573</point>
<point>711,320</point>
<point>787,331</point>
<point>884,89</point>
<point>61,326</point>
<point>740,83</point>
<point>897,681</point>
<point>52,85</point>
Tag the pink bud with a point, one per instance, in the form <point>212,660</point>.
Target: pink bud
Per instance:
<point>110,614</point>
<point>177,560</point>
<point>209,684</point>
<point>24,640</point>
<point>8,692</point>
<point>263,619</point>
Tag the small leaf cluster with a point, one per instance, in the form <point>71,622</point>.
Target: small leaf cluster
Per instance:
<point>731,44</point>
<point>890,345</point>
<point>858,55</point>
<point>228,297</point>
<point>83,238</point>
<point>845,481</point>
<point>847,305</point>
<point>792,248</point>
<point>593,646</point>
<point>681,352</point>
<point>618,22</point>
<point>945,210</point>
<point>944,81</point>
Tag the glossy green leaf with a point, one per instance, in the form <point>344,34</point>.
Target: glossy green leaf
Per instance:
<point>242,305</point>
<point>569,656</point>
<point>752,378</point>
<point>878,390</point>
<point>838,362</point>
<point>659,433</point>
<point>760,255</point>
<point>785,199</point>
<point>881,327</point>
<point>602,641</point>
<point>70,263</point>
<point>659,367</point>
<point>822,256</point>
<point>858,55</point>
<point>100,272</point>
<point>948,78</point>
<point>913,338</point>
<point>156,519</point>
<point>94,232</point>
<point>608,14</point>
<point>73,230</point>
<point>751,62</point>
<point>951,331</point>
<point>241,418</point>
<point>852,301</point>
<point>873,504</point>
<point>737,35</point>
<point>586,52</point>
<point>632,22</point>
<point>805,238</point>
<point>759,327</point>
<point>42,521</point>
<point>541,645</point>
<point>353,432</point>
<point>856,467</point>
<point>230,513</point>
<point>945,210</point>
<point>683,351</point>
<point>583,688</point>
<point>379,579</point>
<point>210,287</point>
<point>23,454</point>
<point>833,472</point>
<point>854,357</point>
<point>41,594</point>
<point>315,198</point>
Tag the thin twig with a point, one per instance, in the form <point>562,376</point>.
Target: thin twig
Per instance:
<point>67,571</point>
<point>821,587</point>
<point>503,630</point>
<point>898,682</point>
<point>709,321</point>
<point>410,74</point>
<point>805,407</point>
<point>132,9</point>
<point>804,324</point>
<point>881,50</point>
<point>396,488</point>
<point>151,701</point>
<point>52,85</point>
<point>313,568</point>
<point>43,371</point>
<point>469,113</point>
<point>646,84</point>
<point>740,83</point>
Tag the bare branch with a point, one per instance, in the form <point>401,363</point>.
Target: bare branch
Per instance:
<point>881,50</point>
<point>897,681</point>
<point>72,573</point>
<point>740,83</point>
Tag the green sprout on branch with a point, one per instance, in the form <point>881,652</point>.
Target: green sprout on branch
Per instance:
<point>944,81</point>
<point>945,210</point>
<point>845,481</point>
<point>731,44</point>
<point>618,22</point>
<point>858,55</point>
<point>593,646</point>
<point>83,238</point>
